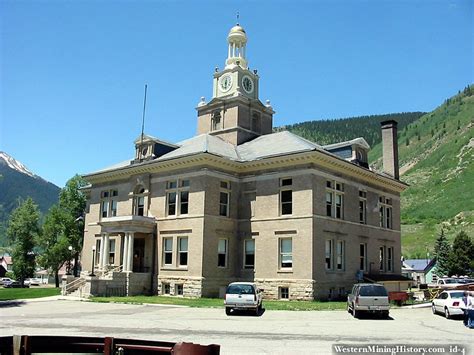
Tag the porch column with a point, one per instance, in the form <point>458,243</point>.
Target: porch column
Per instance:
<point>106,249</point>
<point>125,252</point>
<point>130,251</point>
<point>102,244</point>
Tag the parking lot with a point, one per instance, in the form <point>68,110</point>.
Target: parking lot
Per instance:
<point>274,332</point>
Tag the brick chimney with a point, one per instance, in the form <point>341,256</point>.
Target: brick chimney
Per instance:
<point>390,148</point>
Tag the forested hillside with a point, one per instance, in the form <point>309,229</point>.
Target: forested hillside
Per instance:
<point>437,160</point>
<point>332,131</point>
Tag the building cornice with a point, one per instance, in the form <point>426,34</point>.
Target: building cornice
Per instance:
<point>324,160</point>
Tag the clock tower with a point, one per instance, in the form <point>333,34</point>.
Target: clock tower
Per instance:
<point>235,112</point>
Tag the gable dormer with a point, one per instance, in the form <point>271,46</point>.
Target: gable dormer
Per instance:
<point>148,148</point>
<point>356,151</point>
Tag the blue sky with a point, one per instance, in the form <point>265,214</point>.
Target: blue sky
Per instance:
<point>72,73</point>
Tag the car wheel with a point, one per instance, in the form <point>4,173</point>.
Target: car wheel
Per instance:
<point>446,313</point>
<point>228,310</point>
<point>355,313</point>
<point>385,314</point>
<point>433,309</point>
<point>349,308</point>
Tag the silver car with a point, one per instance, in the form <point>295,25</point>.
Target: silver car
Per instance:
<point>243,296</point>
<point>368,298</point>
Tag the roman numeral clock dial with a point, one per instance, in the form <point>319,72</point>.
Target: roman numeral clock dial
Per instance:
<point>247,84</point>
<point>226,83</point>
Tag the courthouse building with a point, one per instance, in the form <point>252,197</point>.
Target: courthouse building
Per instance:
<point>238,202</point>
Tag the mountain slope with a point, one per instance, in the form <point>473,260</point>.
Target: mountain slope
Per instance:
<point>437,160</point>
<point>344,129</point>
<point>19,183</point>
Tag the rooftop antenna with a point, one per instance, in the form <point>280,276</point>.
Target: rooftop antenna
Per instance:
<point>143,126</point>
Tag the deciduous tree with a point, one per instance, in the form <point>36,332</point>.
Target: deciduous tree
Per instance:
<point>54,241</point>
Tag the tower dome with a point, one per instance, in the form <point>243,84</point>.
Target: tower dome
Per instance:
<point>237,39</point>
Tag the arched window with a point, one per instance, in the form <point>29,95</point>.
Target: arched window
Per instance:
<point>216,121</point>
<point>139,201</point>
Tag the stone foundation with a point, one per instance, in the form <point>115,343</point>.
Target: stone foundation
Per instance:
<point>298,289</point>
<point>192,286</point>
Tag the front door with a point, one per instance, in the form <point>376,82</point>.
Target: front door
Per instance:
<point>138,255</point>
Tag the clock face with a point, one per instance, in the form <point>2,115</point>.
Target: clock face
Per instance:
<point>247,84</point>
<point>226,83</point>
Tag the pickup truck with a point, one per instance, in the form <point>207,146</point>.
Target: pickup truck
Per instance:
<point>447,283</point>
<point>367,297</point>
<point>243,296</point>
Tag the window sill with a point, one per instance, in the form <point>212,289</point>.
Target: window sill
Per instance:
<point>171,268</point>
<point>285,271</point>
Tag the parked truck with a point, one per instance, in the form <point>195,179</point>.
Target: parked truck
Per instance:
<point>368,298</point>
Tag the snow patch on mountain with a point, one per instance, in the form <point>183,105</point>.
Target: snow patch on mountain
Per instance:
<point>15,164</point>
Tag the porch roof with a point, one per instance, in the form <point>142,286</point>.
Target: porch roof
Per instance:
<point>131,223</point>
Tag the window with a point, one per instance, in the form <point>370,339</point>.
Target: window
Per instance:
<point>167,251</point>
<point>178,289</point>
<point>183,251</point>
<point>184,202</point>
<point>382,258</point>
<point>283,293</point>
<point>249,257</point>
<point>340,255</point>
<point>108,203</point>
<point>390,259</point>
<point>286,196</point>
<point>334,199</point>
<point>286,253</point>
<point>139,201</point>
<point>112,251</point>
<point>363,256</point>
<point>328,253</point>
<point>97,251</point>
<point>224,197</point>
<point>222,253</point>
<point>362,207</point>
<point>385,212</point>
<point>166,288</point>
<point>105,208</point>
<point>216,121</point>
<point>177,196</point>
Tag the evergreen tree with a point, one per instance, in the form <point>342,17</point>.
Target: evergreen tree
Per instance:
<point>462,255</point>
<point>441,252</point>
<point>23,229</point>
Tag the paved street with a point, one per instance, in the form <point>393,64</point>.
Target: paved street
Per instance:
<point>274,332</point>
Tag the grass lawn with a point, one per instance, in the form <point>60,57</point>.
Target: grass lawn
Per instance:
<point>219,303</point>
<point>8,294</point>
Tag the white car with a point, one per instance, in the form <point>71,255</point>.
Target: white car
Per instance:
<point>243,296</point>
<point>32,281</point>
<point>449,303</point>
<point>5,281</point>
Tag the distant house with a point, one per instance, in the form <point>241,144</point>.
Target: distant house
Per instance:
<point>420,270</point>
<point>6,265</point>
